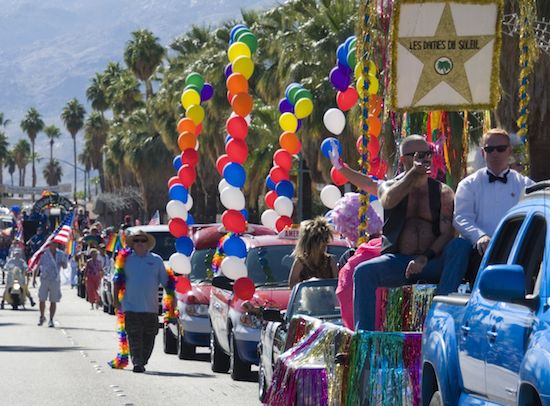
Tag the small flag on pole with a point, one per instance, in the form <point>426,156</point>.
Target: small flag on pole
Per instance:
<point>155,220</point>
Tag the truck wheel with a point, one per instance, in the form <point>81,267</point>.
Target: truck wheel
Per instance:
<point>170,344</point>
<point>262,386</point>
<point>185,351</point>
<point>436,399</point>
<point>240,370</point>
<point>219,360</point>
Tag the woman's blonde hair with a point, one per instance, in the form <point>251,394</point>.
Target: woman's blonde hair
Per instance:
<point>314,236</point>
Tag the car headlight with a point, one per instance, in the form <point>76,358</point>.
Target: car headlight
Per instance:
<point>197,310</point>
<point>250,320</point>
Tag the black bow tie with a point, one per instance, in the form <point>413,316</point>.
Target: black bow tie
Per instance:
<point>494,178</point>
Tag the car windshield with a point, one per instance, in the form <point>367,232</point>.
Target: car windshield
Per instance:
<point>201,265</point>
<point>165,244</point>
<point>270,264</point>
<point>316,301</point>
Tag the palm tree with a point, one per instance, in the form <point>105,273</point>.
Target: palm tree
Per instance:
<point>95,133</point>
<point>21,155</point>
<point>143,54</point>
<point>4,152</point>
<point>85,158</point>
<point>95,93</point>
<point>52,172</point>
<point>73,118</point>
<point>53,133</point>
<point>10,164</point>
<point>124,94</point>
<point>4,121</point>
<point>32,124</point>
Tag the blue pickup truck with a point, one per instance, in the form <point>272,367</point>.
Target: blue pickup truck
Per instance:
<point>492,346</point>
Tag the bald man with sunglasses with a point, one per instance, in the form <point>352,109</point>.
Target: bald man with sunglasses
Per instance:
<point>483,198</point>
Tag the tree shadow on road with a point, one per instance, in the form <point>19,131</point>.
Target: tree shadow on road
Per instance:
<point>27,348</point>
<point>181,374</point>
<point>88,329</point>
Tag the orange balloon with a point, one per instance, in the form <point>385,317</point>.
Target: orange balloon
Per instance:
<point>242,104</point>
<point>186,140</point>
<point>186,124</point>
<point>375,126</point>
<point>237,83</point>
<point>290,142</point>
<point>375,105</point>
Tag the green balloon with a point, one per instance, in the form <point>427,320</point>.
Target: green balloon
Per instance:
<point>292,94</point>
<point>240,31</point>
<point>352,58</point>
<point>249,39</point>
<point>196,88</point>
<point>195,79</point>
<point>352,43</point>
<point>302,93</point>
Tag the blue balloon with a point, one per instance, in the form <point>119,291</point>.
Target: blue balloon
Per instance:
<point>285,188</point>
<point>234,246</point>
<point>178,192</point>
<point>372,198</point>
<point>234,174</point>
<point>245,214</point>
<point>348,42</point>
<point>228,138</point>
<point>326,146</point>
<point>177,162</point>
<point>184,245</point>
<point>342,55</point>
<point>269,183</point>
<point>234,30</point>
<point>290,87</point>
<point>190,219</point>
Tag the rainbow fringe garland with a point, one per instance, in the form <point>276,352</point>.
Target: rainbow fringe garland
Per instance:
<point>169,298</point>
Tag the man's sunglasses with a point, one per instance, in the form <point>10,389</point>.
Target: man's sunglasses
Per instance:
<point>420,154</point>
<point>498,148</point>
<point>140,240</point>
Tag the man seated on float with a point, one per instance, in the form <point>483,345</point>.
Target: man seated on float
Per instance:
<point>418,243</point>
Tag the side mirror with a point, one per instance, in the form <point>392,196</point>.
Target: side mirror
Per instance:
<point>503,283</point>
<point>272,315</point>
<point>222,282</point>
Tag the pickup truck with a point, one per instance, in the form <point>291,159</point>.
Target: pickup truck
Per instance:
<point>492,346</point>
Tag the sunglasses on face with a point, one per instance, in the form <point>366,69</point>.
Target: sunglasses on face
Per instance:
<point>498,148</point>
<point>139,240</point>
<point>420,154</point>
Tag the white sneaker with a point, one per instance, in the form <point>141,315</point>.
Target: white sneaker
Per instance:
<point>50,323</point>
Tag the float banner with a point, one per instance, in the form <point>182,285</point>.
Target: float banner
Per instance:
<point>446,55</point>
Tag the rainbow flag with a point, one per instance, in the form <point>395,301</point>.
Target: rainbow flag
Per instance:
<point>111,244</point>
<point>71,248</point>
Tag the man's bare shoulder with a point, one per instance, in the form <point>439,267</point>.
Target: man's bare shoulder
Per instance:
<point>446,191</point>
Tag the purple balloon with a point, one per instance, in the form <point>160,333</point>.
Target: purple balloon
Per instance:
<point>285,106</point>
<point>344,68</point>
<point>228,70</point>
<point>299,125</point>
<point>207,92</point>
<point>339,79</point>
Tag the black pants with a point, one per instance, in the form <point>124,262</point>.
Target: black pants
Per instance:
<point>141,329</point>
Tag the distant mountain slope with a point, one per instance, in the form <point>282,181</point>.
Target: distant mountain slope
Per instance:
<point>50,49</point>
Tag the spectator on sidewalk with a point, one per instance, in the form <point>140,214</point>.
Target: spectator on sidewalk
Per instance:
<point>93,272</point>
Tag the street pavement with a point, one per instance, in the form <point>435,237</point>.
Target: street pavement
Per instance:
<point>67,365</point>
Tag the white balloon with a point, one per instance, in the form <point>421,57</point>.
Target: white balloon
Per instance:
<point>248,119</point>
<point>283,206</point>
<point>234,267</point>
<point>189,202</point>
<point>377,206</point>
<point>177,209</point>
<point>269,218</point>
<point>197,145</point>
<point>180,263</point>
<point>222,185</point>
<point>330,195</point>
<point>335,121</point>
<point>232,198</point>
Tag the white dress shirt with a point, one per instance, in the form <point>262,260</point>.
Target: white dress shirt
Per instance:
<point>480,205</point>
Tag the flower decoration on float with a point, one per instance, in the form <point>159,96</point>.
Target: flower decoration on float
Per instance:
<point>189,127</point>
<point>295,106</point>
<point>242,46</point>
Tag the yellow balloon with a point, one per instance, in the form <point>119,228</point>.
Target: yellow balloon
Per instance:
<point>196,113</point>
<point>244,66</point>
<point>303,108</point>
<point>372,87</point>
<point>238,49</point>
<point>190,97</point>
<point>288,122</point>
<point>359,69</point>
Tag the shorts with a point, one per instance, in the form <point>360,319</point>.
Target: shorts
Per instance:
<point>49,290</point>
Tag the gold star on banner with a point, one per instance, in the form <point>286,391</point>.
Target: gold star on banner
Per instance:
<point>444,56</point>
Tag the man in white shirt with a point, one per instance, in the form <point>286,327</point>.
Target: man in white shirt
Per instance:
<point>483,198</point>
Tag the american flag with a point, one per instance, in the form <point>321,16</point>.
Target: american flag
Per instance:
<point>61,235</point>
<point>155,220</point>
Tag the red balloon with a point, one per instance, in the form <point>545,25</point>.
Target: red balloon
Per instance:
<point>198,129</point>
<point>183,285</point>
<point>283,158</point>
<point>278,174</point>
<point>237,127</point>
<point>221,162</point>
<point>237,150</point>
<point>229,96</point>
<point>378,168</point>
<point>234,221</point>
<point>347,99</point>
<point>178,227</point>
<point>373,147</point>
<point>244,288</point>
<point>337,178</point>
<point>270,198</point>
<point>174,180</point>
<point>190,156</point>
<point>282,222</point>
<point>187,175</point>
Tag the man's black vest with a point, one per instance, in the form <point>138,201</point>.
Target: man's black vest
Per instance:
<point>394,219</point>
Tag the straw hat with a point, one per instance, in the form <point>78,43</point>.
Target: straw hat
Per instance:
<point>140,233</point>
